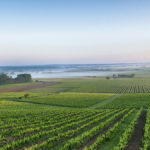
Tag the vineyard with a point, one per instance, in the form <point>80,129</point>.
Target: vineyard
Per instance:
<point>75,120</point>
<point>130,101</point>
<point>31,126</point>
<point>98,85</point>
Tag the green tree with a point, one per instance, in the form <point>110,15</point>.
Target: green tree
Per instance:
<point>107,78</point>
<point>5,79</point>
<point>26,95</point>
<point>23,78</point>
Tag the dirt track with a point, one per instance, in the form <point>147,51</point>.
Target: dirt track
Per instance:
<point>135,142</point>
<point>27,87</point>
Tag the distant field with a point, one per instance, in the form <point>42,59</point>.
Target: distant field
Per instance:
<point>18,95</point>
<point>49,89</point>
<point>16,85</point>
<point>143,73</point>
<point>89,85</point>
<point>130,100</point>
<point>25,86</point>
<point>71,99</point>
<point>101,85</point>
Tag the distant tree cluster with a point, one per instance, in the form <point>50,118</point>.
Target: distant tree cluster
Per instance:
<point>124,75</point>
<point>21,78</point>
<point>5,79</point>
<point>115,76</point>
<point>107,78</point>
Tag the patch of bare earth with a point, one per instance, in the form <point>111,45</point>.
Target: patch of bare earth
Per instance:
<point>136,140</point>
<point>27,87</point>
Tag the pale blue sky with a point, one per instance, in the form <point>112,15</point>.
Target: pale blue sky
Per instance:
<point>74,31</point>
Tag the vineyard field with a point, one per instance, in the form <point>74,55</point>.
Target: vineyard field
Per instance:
<point>130,100</point>
<point>75,120</point>
<point>99,85</point>
<point>44,127</point>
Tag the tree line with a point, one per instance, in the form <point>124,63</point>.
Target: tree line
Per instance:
<point>21,78</point>
<point>124,75</point>
<point>115,76</point>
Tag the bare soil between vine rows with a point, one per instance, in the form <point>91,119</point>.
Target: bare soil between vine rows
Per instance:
<point>135,142</point>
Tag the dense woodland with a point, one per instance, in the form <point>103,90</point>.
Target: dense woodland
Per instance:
<point>21,78</point>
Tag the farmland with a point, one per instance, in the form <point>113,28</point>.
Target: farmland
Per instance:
<point>130,100</point>
<point>82,114</point>
<point>99,85</point>
<point>71,99</point>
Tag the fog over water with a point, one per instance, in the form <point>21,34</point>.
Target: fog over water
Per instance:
<point>72,70</point>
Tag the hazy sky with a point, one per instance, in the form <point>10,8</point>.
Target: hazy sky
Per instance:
<point>74,31</point>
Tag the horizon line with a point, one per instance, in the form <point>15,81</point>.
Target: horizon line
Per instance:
<point>73,64</point>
